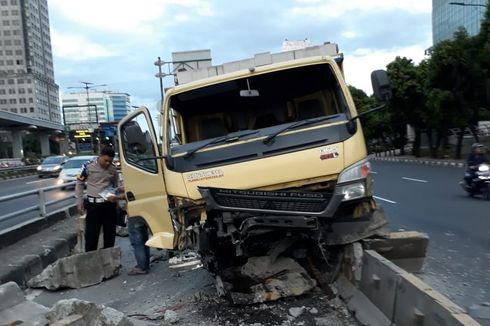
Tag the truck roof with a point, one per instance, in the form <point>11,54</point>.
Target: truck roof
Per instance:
<point>260,59</point>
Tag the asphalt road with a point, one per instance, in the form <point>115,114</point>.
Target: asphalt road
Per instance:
<point>13,186</point>
<point>415,197</point>
<point>429,199</point>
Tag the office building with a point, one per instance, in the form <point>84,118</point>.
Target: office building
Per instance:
<point>448,16</point>
<point>27,85</point>
<point>94,107</point>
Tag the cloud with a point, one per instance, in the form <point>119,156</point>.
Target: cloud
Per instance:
<point>339,8</point>
<point>124,16</point>
<point>359,65</point>
<point>77,47</point>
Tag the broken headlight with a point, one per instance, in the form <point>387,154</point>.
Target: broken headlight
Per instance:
<point>353,182</point>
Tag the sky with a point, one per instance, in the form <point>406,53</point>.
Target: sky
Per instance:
<point>116,42</point>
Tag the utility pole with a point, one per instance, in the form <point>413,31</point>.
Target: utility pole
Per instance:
<point>87,86</point>
<point>160,75</point>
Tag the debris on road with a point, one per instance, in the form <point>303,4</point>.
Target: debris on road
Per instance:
<point>79,270</point>
<point>80,312</point>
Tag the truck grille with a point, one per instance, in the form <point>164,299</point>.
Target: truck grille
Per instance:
<point>280,201</point>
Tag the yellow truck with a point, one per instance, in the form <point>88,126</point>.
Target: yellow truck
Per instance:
<point>251,156</point>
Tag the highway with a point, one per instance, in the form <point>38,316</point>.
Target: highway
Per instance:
<point>429,199</point>
<point>13,186</point>
<point>415,197</point>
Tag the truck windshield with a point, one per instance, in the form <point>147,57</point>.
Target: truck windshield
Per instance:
<point>283,97</point>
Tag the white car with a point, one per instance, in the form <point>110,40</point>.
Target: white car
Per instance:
<point>72,167</point>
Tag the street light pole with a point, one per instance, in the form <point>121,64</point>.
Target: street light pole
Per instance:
<point>87,86</point>
<point>160,76</point>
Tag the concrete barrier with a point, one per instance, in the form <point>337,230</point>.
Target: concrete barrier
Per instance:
<point>389,295</point>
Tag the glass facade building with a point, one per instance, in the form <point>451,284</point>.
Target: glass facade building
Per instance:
<point>111,107</point>
<point>447,17</point>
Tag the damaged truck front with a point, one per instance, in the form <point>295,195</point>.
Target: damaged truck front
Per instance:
<point>249,158</point>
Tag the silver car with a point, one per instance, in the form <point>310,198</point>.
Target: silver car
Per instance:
<point>51,166</point>
<point>72,167</point>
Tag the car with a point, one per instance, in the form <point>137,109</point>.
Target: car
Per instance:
<point>51,166</point>
<point>72,167</point>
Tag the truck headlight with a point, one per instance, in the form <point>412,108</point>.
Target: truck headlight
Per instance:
<point>354,191</point>
<point>357,171</point>
<point>354,182</point>
<point>39,168</point>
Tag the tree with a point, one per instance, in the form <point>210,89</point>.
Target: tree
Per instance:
<point>456,84</point>
<point>376,126</point>
<point>408,100</point>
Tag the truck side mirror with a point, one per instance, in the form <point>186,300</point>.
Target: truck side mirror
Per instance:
<point>381,85</point>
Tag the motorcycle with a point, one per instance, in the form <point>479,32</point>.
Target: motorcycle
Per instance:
<point>479,183</point>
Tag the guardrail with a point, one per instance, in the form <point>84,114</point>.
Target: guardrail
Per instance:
<point>41,205</point>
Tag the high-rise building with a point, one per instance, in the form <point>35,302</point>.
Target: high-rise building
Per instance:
<point>27,83</point>
<point>448,16</point>
<point>79,107</point>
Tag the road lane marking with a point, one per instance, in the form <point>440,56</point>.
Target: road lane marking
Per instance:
<point>416,180</point>
<point>386,200</point>
<point>373,172</point>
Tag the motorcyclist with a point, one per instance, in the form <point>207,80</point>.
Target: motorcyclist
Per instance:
<point>474,159</point>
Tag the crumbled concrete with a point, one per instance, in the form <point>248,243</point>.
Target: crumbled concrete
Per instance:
<point>171,317</point>
<point>287,284</point>
<point>263,267</point>
<point>80,270</point>
<point>275,278</point>
<point>92,313</point>
<point>296,311</point>
<point>15,309</point>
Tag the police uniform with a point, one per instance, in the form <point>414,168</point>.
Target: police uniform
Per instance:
<point>100,213</point>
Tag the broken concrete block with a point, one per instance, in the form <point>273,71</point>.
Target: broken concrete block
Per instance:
<point>263,267</point>
<point>406,249</point>
<point>275,278</point>
<point>92,314</point>
<point>80,270</point>
<point>15,309</point>
<point>284,285</point>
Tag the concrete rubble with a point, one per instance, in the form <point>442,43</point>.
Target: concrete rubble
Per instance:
<point>80,312</point>
<point>80,270</point>
<point>275,279</point>
<point>16,309</point>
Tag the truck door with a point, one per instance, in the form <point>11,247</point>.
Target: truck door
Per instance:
<point>142,171</point>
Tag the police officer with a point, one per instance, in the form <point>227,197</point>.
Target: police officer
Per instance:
<point>98,175</point>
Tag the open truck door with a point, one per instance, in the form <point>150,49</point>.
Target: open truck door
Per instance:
<point>144,182</point>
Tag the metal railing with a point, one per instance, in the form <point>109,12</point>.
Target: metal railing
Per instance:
<point>41,205</point>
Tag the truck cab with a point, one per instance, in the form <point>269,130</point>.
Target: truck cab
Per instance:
<point>251,156</point>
